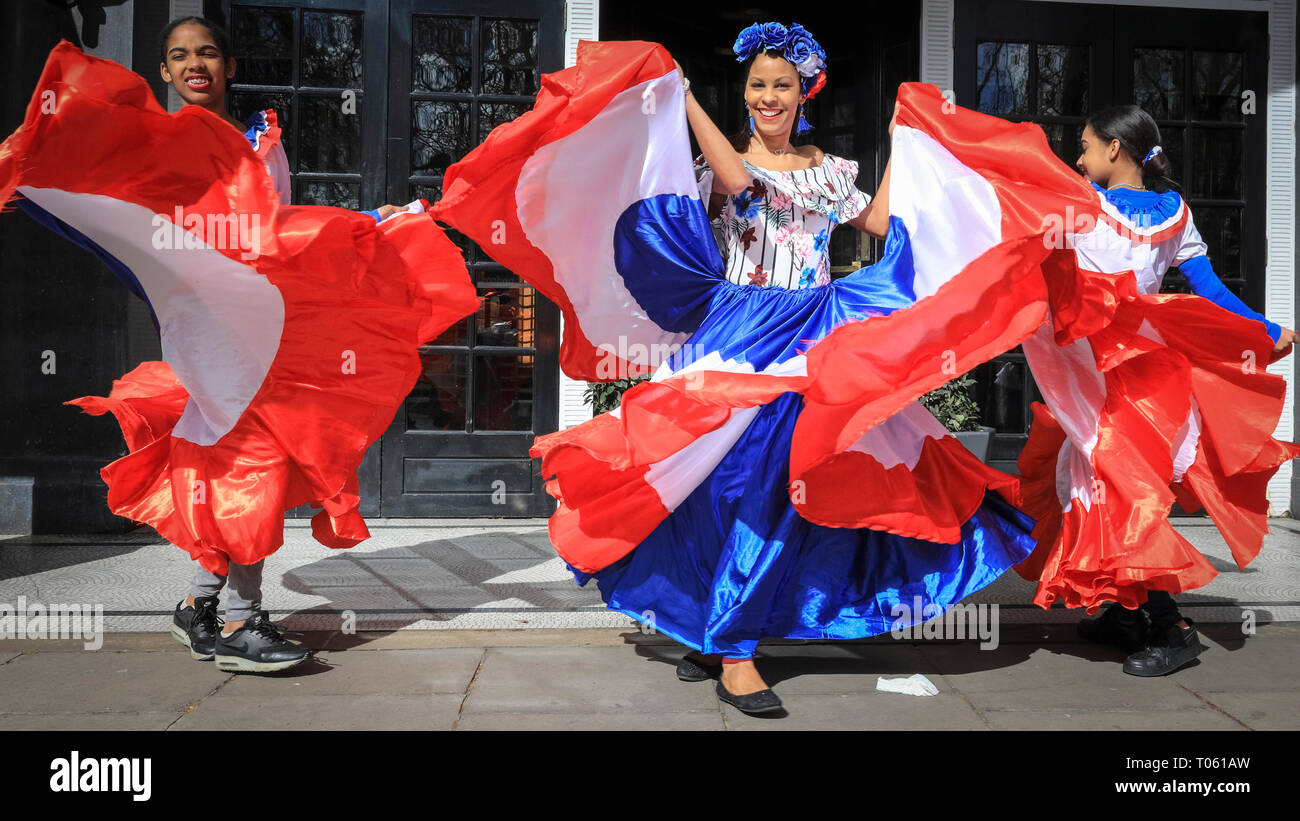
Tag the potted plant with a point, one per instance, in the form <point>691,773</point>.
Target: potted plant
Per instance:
<point>957,411</point>
<point>605,396</point>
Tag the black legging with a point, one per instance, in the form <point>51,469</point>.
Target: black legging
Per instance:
<point>1161,608</point>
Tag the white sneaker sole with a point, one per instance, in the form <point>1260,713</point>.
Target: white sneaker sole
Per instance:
<point>181,636</point>
<point>239,664</point>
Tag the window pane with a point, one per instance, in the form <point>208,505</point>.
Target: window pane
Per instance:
<point>503,392</point>
<point>1216,85</point>
<point>509,57</point>
<point>331,49</point>
<point>1063,80</point>
<point>263,45</point>
<point>442,52</point>
<point>438,400</point>
<point>1000,391</point>
<point>426,191</point>
<point>331,140</point>
<point>337,194</point>
<point>439,135</point>
<point>1158,81</point>
<point>1002,78</point>
<point>1171,143</point>
<point>1215,163</point>
<point>1064,140</point>
<point>457,334</point>
<point>1220,227</point>
<point>506,317</point>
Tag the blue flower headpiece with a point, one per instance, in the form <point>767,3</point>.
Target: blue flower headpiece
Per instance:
<point>794,44</point>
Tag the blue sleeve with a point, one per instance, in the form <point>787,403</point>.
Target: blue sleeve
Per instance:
<point>374,214</point>
<point>1205,283</point>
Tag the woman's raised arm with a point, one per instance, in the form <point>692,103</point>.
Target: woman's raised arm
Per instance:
<point>729,174</point>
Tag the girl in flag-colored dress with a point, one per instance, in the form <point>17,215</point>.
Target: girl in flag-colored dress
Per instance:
<point>1113,542</point>
<point>251,414</point>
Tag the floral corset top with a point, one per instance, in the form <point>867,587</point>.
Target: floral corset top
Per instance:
<point>776,233</point>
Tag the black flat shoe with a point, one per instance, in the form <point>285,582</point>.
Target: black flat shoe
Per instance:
<point>688,669</point>
<point>764,701</point>
<point>1176,648</point>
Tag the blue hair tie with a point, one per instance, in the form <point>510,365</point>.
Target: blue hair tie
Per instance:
<point>1151,154</point>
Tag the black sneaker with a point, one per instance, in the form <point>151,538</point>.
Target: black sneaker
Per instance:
<point>1118,626</point>
<point>258,647</point>
<point>1170,650</point>
<point>197,626</point>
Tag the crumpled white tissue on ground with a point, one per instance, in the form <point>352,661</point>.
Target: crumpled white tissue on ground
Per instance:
<point>915,685</point>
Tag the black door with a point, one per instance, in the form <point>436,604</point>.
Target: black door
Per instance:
<point>376,98</point>
<point>490,383</point>
<point>321,67</point>
<point>1052,64</point>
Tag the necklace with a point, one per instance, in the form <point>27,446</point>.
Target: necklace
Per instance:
<point>1126,185</point>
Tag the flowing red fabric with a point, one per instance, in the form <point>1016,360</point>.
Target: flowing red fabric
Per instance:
<point>358,300</point>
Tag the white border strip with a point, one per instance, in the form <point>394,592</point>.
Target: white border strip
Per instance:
<point>1280,214</point>
<point>581,22</point>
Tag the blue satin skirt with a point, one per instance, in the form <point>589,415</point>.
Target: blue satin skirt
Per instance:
<point>736,562</point>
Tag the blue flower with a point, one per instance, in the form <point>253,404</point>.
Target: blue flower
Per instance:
<point>747,42</point>
<point>806,277</point>
<point>746,207</point>
<point>774,35</point>
<point>819,240</point>
<point>800,45</point>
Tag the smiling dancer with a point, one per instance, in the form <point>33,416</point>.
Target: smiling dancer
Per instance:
<point>680,503</point>
<point>256,301</point>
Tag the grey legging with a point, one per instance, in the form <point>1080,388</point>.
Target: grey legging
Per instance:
<point>245,582</point>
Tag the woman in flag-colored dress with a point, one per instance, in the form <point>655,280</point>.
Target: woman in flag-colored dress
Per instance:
<point>726,559</point>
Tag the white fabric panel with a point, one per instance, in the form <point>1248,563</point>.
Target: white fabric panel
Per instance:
<point>962,218</point>
<point>567,228</point>
<point>898,440</point>
<point>220,320</point>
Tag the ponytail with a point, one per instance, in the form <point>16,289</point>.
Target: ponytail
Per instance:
<point>1139,137</point>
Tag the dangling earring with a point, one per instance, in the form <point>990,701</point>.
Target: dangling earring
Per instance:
<point>803,127</point>
<point>751,119</point>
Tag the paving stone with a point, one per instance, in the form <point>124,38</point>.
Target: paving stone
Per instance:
<point>391,672</point>
<point>320,712</point>
<point>835,669</point>
<point>87,722</point>
<point>1259,663</point>
<point>1023,678</point>
<point>100,681</point>
<point>694,720</point>
<point>861,711</point>
<point>1258,710</point>
<point>1183,718</point>
<point>581,680</point>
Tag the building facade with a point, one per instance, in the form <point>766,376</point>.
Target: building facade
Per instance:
<point>430,78</point>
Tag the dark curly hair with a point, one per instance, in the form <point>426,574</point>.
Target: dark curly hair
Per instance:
<point>218,34</point>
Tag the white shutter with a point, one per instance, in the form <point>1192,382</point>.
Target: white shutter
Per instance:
<point>1279,293</point>
<point>936,43</point>
<point>581,22</point>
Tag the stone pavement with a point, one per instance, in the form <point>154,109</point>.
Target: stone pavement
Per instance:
<point>467,624</point>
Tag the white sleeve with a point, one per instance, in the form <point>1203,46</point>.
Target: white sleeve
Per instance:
<point>277,165</point>
<point>704,179</point>
<point>1190,244</point>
